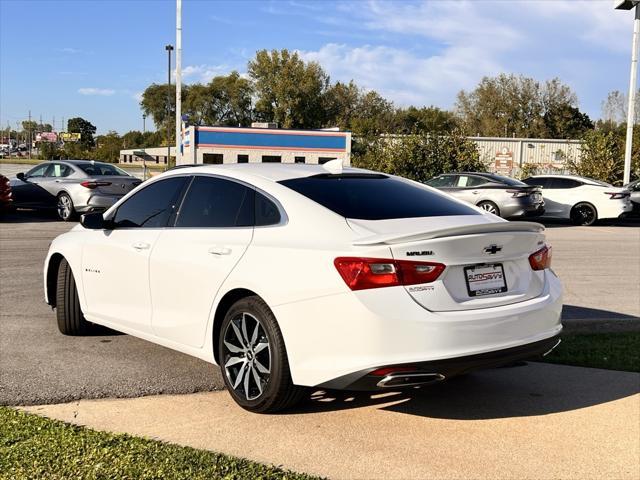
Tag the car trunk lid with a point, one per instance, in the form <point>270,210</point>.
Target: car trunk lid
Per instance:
<point>487,261</point>
<point>112,185</point>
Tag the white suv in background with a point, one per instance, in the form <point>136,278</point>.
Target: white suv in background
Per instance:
<point>580,199</point>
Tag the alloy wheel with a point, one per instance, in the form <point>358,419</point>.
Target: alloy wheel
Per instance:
<point>584,215</point>
<point>488,207</point>
<point>64,206</point>
<point>246,356</point>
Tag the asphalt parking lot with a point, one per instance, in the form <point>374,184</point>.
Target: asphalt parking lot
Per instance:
<point>600,268</point>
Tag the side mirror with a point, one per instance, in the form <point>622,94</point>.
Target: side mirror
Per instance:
<point>93,221</point>
<point>20,176</point>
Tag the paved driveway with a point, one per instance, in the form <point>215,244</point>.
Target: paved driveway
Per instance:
<point>599,266</point>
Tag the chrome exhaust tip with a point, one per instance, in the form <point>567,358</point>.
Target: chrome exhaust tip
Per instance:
<point>396,380</point>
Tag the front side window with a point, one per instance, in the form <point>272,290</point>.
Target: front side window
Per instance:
<point>213,202</point>
<point>151,206</point>
<point>537,181</point>
<point>37,171</point>
<point>442,181</point>
<point>376,197</point>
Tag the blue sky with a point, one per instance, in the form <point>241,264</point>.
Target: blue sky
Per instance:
<point>94,58</point>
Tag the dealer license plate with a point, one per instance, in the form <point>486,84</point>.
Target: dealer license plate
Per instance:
<point>485,280</point>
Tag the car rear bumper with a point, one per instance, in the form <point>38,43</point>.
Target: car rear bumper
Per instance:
<point>523,208</point>
<point>331,337</point>
<point>98,202</point>
<point>409,375</point>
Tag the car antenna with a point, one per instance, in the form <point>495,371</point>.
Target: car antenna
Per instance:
<point>334,166</point>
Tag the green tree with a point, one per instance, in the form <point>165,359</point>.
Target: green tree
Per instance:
<point>421,156</point>
<point>48,151</point>
<point>374,115</point>
<point>133,139</point>
<point>425,119</point>
<point>602,157</point>
<point>85,128</point>
<point>509,105</point>
<point>290,91</point>
<point>565,121</point>
<point>108,147</point>
<point>341,102</point>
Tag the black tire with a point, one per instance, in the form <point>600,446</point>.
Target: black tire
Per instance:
<point>71,321</point>
<point>65,208</point>
<point>278,391</point>
<point>489,207</point>
<point>584,214</point>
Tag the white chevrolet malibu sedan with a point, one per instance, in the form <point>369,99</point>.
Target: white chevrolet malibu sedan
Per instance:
<point>297,276</point>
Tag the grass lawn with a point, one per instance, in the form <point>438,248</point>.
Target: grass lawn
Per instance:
<point>613,351</point>
<point>37,447</point>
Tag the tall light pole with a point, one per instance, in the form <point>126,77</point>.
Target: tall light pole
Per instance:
<point>144,153</point>
<point>178,80</point>
<point>628,5</point>
<point>169,49</point>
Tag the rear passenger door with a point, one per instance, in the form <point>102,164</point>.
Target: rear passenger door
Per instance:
<point>193,257</point>
<point>466,188</point>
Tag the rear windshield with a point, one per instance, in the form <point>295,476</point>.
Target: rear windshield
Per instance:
<point>507,181</point>
<point>375,197</point>
<point>102,170</point>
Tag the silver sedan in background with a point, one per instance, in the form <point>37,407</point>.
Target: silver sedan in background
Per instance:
<point>71,187</point>
<point>502,196</point>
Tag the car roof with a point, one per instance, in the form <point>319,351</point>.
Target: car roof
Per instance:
<point>275,172</point>
<point>572,177</point>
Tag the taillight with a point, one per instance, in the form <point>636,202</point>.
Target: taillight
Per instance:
<point>617,195</point>
<point>364,273</point>
<point>93,184</point>
<point>541,259</point>
<point>519,193</point>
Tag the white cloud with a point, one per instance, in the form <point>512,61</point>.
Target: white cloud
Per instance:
<point>203,73</point>
<point>105,92</point>
<point>403,76</point>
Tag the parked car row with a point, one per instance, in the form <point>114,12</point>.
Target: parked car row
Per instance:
<point>80,186</point>
<point>579,199</point>
<point>71,187</point>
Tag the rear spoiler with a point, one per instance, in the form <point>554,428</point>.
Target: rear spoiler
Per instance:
<point>392,238</point>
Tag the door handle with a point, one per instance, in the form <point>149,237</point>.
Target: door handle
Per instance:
<point>141,246</point>
<point>475,192</point>
<point>220,250</point>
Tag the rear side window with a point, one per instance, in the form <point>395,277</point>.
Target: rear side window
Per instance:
<point>564,183</point>
<point>213,202</point>
<point>471,181</point>
<point>375,197</point>
<point>151,206</point>
<point>266,211</point>
<point>102,170</point>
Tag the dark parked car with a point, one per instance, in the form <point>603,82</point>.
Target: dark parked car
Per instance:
<point>502,196</point>
<point>5,194</point>
<point>72,186</point>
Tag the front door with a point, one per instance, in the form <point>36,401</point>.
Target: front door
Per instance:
<point>115,262</point>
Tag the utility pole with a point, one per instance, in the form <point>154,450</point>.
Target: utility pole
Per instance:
<point>144,153</point>
<point>178,80</point>
<point>629,5</point>
<point>168,48</point>
<point>29,135</point>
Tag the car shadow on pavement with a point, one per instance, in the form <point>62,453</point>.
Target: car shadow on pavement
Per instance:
<point>28,216</point>
<point>526,389</point>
